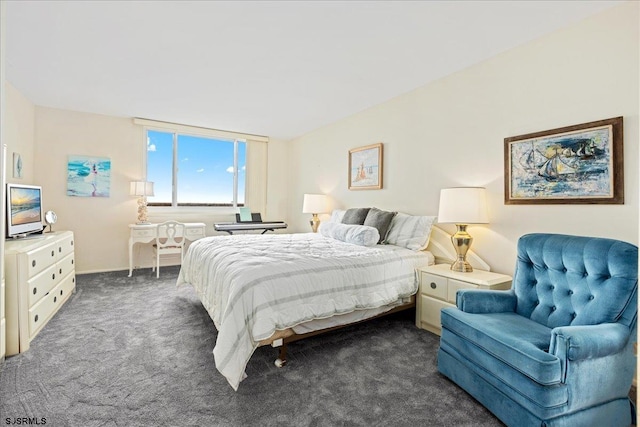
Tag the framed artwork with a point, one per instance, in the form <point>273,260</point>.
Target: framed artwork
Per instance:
<point>365,167</point>
<point>88,176</point>
<point>577,164</point>
<point>17,165</point>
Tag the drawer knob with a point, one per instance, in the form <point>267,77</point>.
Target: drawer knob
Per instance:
<point>35,291</point>
<point>73,280</point>
<point>60,291</point>
<point>72,243</point>
<point>53,253</point>
<point>53,276</point>
<point>60,271</point>
<point>433,285</point>
<point>33,263</point>
<point>55,299</point>
<point>36,318</point>
<point>59,248</point>
<point>71,262</point>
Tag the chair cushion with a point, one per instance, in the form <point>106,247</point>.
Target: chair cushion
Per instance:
<point>513,339</point>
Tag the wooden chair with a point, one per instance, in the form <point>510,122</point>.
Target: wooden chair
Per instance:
<point>169,241</point>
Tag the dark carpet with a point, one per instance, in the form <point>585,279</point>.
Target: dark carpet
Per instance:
<point>138,352</point>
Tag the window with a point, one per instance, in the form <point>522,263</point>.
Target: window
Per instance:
<point>191,170</point>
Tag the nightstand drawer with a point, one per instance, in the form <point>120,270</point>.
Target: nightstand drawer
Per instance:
<point>435,286</point>
<point>453,287</point>
<point>430,312</point>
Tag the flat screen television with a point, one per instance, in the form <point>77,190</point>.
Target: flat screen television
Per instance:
<point>24,210</point>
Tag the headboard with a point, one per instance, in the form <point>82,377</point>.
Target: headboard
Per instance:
<point>442,249</point>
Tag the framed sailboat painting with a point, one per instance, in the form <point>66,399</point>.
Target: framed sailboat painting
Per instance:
<point>581,164</point>
<point>365,167</point>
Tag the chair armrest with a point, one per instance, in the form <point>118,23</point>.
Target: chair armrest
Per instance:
<point>588,341</point>
<point>490,301</point>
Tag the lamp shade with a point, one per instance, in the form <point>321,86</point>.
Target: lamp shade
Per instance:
<point>141,188</point>
<point>463,205</point>
<point>315,203</point>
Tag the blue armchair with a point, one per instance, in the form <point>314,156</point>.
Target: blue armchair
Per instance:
<point>556,349</point>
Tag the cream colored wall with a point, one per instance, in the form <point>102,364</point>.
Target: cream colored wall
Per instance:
<point>451,133</point>
<point>20,134</point>
<point>99,223</point>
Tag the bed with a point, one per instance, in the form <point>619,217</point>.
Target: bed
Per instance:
<point>274,289</point>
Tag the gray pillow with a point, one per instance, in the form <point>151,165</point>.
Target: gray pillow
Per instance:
<point>355,216</point>
<point>379,219</point>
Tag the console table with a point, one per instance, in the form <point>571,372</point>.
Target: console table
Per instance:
<point>146,233</point>
<point>230,227</point>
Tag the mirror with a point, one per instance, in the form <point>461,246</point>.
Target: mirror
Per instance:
<point>50,218</point>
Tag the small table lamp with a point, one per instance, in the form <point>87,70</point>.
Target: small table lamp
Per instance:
<point>142,189</point>
<point>462,206</point>
<point>314,204</point>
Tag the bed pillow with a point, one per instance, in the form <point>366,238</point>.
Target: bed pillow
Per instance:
<point>336,215</point>
<point>410,231</point>
<point>350,233</point>
<point>355,216</point>
<point>379,219</point>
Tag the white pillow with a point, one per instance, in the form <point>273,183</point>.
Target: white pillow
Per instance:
<point>362,235</point>
<point>337,215</point>
<point>410,231</point>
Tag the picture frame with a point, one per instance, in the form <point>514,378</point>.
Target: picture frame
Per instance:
<point>579,164</point>
<point>17,165</point>
<point>365,167</point>
<point>88,176</point>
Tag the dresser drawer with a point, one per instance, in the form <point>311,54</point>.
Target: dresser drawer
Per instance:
<point>432,285</point>
<point>430,313</point>
<point>454,285</point>
<point>66,265</point>
<point>64,247</point>
<point>40,313</point>
<point>40,258</point>
<point>39,285</point>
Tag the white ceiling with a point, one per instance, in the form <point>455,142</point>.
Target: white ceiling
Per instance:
<point>275,68</point>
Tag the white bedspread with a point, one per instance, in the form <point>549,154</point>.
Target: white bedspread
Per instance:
<point>253,285</point>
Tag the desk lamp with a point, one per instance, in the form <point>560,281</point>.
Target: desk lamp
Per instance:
<point>462,206</point>
<point>314,204</point>
<point>142,189</point>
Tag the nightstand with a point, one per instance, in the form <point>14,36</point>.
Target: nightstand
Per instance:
<point>438,287</point>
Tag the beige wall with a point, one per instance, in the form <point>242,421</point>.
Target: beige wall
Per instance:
<point>20,134</point>
<point>450,133</point>
<point>99,223</point>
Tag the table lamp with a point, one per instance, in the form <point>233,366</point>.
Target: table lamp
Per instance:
<point>142,189</point>
<point>462,206</point>
<point>314,204</point>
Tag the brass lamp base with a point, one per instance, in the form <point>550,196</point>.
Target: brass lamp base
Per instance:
<point>461,242</point>
<point>315,222</point>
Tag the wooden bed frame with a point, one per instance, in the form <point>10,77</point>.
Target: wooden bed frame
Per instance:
<point>442,249</point>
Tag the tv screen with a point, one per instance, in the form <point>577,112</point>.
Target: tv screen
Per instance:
<point>24,209</point>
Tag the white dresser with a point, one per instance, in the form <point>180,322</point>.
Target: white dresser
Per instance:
<point>438,288</point>
<point>40,276</point>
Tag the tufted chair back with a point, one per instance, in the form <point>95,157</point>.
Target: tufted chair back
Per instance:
<point>563,280</point>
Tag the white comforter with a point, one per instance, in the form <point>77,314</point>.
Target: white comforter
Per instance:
<point>253,285</point>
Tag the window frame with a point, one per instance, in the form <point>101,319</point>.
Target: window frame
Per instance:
<point>211,134</point>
